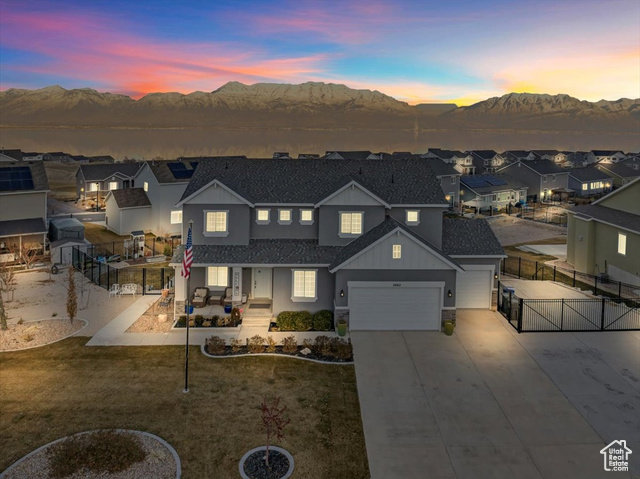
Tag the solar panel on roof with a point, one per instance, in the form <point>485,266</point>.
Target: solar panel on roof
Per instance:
<point>194,164</point>
<point>496,181</point>
<point>179,170</point>
<point>16,178</point>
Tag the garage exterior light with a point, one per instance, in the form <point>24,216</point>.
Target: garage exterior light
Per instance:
<point>396,251</point>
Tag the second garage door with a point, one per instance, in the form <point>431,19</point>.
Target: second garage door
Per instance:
<point>473,289</point>
<point>389,307</point>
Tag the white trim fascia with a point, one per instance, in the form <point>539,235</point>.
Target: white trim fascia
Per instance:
<point>392,232</point>
<point>496,256</point>
<point>404,205</point>
<point>616,191</point>
<point>257,265</point>
<point>133,207</point>
<point>449,308</point>
<point>591,218</point>
<point>23,192</point>
<point>221,185</point>
<point>292,205</point>
<point>353,183</point>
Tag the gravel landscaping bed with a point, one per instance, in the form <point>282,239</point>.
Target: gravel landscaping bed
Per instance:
<point>255,467</point>
<point>159,463</point>
<point>149,323</point>
<point>37,333</point>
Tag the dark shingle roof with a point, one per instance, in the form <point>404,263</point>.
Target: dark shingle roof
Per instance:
<point>131,198</point>
<point>15,154</point>
<point>588,173</point>
<point>350,155</point>
<point>483,154</point>
<point>163,173</point>
<point>623,169</point>
<point>104,172</point>
<point>544,167</point>
<point>605,152</point>
<point>303,182</point>
<point>22,227</point>
<point>440,168</point>
<point>469,237</point>
<point>541,153</point>
<point>38,174</point>
<point>608,215</point>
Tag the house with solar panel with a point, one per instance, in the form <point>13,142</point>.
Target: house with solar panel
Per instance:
<point>490,192</point>
<point>364,239</point>
<point>94,181</point>
<point>23,206</point>
<point>544,178</point>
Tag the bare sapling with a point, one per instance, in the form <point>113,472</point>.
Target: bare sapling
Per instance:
<point>72,295</point>
<point>273,421</point>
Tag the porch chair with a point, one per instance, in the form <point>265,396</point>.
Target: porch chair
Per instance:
<point>114,290</point>
<point>228,296</point>
<point>200,297</point>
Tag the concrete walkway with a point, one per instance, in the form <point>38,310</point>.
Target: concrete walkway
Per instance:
<point>489,403</point>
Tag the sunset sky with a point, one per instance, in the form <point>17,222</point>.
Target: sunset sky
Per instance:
<point>417,51</point>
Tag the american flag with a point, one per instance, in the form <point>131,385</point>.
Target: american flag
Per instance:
<point>188,256</point>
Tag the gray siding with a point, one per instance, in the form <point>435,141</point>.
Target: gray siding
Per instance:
<point>449,187</point>
<point>329,222</point>
<point>23,205</point>
<point>134,219</point>
<point>238,219</point>
<point>163,198</point>
<point>430,227</point>
<point>277,230</point>
<point>282,291</point>
<point>344,276</point>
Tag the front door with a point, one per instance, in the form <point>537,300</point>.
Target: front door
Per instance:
<point>262,282</point>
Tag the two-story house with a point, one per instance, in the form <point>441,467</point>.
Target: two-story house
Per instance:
<point>94,179</point>
<point>589,181</point>
<point>461,162</point>
<point>516,155</point>
<point>23,205</point>
<point>605,156</point>
<point>543,178</point>
<point>556,156</point>
<point>489,192</point>
<point>623,172</point>
<point>365,239</point>
<point>449,180</point>
<point>351,155</point>
<point>604,237</point>
<point>486,161</point>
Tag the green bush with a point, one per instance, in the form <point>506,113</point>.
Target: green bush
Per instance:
<point>323,320</point>
<point>286,321</point>
<point>167,250</point>
<point>303,321</point>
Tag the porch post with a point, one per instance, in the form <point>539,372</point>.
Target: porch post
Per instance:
<point>236,285</point>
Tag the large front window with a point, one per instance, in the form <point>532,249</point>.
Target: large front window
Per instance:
<point>216,222</point>
<point>304,285</point>
<point>306,217</point>
<point>113,185</point>
<point>351,223</point>
<point>218,276</point>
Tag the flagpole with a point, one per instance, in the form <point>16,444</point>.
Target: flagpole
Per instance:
<point>188,308</point>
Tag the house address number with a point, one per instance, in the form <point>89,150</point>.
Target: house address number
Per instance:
<point>397,285</point>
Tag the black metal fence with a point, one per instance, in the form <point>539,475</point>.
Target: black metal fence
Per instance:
<point>123,250</point>
<point>150,280</point>
<point>548,315</point>
<point>523,268</point>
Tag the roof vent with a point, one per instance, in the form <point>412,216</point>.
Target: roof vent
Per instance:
<point>360,171</point>
<point>392,179</point>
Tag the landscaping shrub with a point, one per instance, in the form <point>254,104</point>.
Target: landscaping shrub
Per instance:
<point>198,319</point>
<point>182,321</point>
<point>221,322</point>
<point>235,316</point>
<point>307,343</point>
<point>303,321</point>
<point>236,345</point>
<point>97,452</point>
<point>289,344</point>
<point>206,323</point>
<point>323,320</point>
<point>321,346</point>
<point>256,344</point>
<point>271,345</point>
<point>215,345</point>
<point>286,321</point>
<point>341,349</point>
<point>167,250</point>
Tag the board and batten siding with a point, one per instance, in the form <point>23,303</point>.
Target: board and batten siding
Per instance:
<point>237,223</point>
<point>353,196</point>
<point>329,218</point>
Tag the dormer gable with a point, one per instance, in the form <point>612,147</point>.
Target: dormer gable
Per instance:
<point>352,194</point>
<point>215,193</point>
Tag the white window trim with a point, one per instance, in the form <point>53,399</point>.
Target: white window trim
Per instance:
<point>396,251</point>
<point>411,223</point>
<point>350,235</point>
<point>145,186</point>
<point>622,245</point>
<point>263,222</point>
<point>285,222</point>
<point>216,233</point>
<point>304,299</point>
<point>306,222</point>
<point>217,275</point>
<point>177,213</point>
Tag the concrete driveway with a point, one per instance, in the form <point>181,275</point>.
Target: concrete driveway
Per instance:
<point>489,403</point>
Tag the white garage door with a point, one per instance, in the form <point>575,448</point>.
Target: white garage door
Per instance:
<point>473,289</point>
<point>394,307</point>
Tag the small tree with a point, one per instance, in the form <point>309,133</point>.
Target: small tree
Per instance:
<point>273,421</point>
<point>72,296</point>
<point>3,316</point>
<point>7,279</point>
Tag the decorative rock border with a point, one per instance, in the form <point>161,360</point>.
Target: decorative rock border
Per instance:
<point>169,447</point>
<point>203,349</point>
<point>263,448</point>
<point>85,321</point>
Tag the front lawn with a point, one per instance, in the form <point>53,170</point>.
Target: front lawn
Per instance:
<point>64,388</point>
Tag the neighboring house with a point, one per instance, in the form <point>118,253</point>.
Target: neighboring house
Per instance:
<point>577,159</point>
<point>489,192</point>
<point>308,156</point>
<point>604,237</point>
<point>351,155</point>
<point>516,155</point>
<point>8,159</point>
<point>553,155</point>
<point>461,162</point>
<point>281,155</point>
<point>486,161</point>
<point>59,157</point>
<point>127,210</point>
<point>449,180</point>
<point>589,181</point>
<point>543,178</point>
<point>605,156</point>
<point>94,179</point>
<point>23,205</point>
<point>622,172</point>
<point>80,159</point>
<point>35,156</point>
<point>365,239</point>
<point>102,159</point>
<point>15,154</point>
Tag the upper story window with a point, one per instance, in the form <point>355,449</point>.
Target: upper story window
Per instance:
<point>453,180</point>
<point>396,251</point>
<point>351,223</point>
<point>263,216</point>
<point>216,223</point>
<point>622,244</point>
<point>176,217</point>
<point>306,217</point>
<point>413,217</point>
<point>145,186</point>
<point>304,284</point>
<point>544,179</point>
<point>218,276</point>
<point>553,177</point>
<point>113,185</point>
<point>284,217</point>
<point>93,186</point>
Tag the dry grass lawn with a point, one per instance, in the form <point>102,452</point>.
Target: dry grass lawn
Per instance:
<point>65,388</point>
<point>97,233</point>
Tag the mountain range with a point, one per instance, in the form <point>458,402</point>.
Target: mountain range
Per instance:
<point>308,105</point>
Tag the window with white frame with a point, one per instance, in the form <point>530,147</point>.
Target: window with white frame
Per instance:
<point>218,276</point>
<point>553,177</point>
<point>176,217</point>
<point>453,180</point>
<point>263,216</point>
<point>622,244</point>
<point>413,217</point>
<point>585,186</point>
<point>93,186</point>
<point>306,216</point>
<point>145,186</point>
<point>216,222</point>
<point>350,223</point>
<point>304,285</point>
<point>596,184</point>
<point>113,185</point>
<point>284,217</point>
<point>396,251</point>
<point>544,179</point>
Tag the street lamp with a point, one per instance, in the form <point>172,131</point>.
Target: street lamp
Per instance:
<point>97,196</point>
